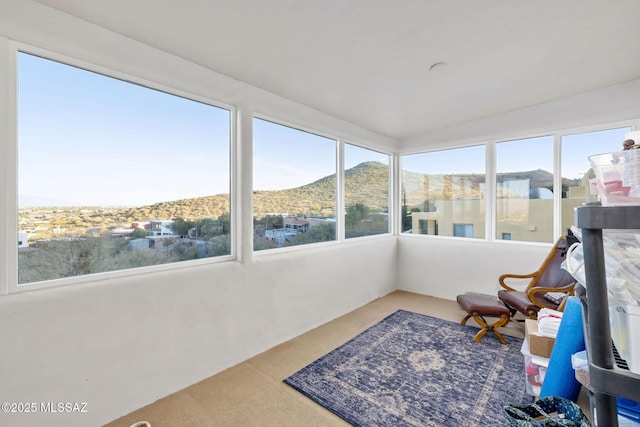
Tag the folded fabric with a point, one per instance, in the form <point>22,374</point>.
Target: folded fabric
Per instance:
<point>549,322</point>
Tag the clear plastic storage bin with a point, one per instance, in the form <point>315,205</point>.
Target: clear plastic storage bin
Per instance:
<point>625,332</point>
<point>617,177</point>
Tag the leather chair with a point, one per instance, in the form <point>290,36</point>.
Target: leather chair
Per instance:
<point>549,286</point>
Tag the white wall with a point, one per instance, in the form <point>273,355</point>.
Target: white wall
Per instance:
<point>122,343</point>
<point>446,267</point>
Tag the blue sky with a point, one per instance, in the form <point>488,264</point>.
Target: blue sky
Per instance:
<point>577,148</point>
<point>284,157</point>
<point>461,160</point>
<point>521,155</point>
<point>88,139</point>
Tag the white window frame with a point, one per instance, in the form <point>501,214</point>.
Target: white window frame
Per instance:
<point>489,189</point>
<point>389,190</point>
<point>556,179</point>
<point>339,150</point>
<point>9,229</point>
<point>557,206</point>
<point>490,179</point>
<point>340,206</point>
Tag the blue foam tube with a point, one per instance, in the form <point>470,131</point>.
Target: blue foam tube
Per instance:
<point>560,379</point>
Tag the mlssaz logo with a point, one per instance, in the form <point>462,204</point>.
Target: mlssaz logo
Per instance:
<point>67,407</point>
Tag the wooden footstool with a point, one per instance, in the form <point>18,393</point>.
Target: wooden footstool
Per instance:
<point>480,305</point>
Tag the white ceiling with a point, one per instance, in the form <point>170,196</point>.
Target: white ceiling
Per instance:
<point>367,61</point>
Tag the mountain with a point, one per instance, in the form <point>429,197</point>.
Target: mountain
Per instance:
<point>366,183</point>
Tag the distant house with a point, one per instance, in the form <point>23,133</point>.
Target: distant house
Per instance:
<point>161,228</point>
<point>299,225</point>
<point>281,235</point>
<point>23,240</point>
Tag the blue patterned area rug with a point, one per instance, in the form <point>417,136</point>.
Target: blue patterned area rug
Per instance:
<point>415,370</point>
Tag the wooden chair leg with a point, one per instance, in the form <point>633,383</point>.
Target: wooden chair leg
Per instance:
<point>485,326</point>
<point>464,321</point>
<point>502,321</point>
<point>480,305</point>
<point>480,334</point>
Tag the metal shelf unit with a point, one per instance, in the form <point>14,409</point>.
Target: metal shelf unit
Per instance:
<point>607,379</point>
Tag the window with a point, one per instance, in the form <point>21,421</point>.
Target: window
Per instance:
<point>428,227</point>
<point>524,189</point>
<point>443,192</point>
<point>113,175</point>
<point>463,230</point>
<point>294,182</point>
<point>576,167</point>
<point>366,191</point>
<point>443,188</point>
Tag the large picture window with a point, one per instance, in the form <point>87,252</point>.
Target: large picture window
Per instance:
<point>524,189</point>
<point>366,191</point>
<point>294,183</point>
<point>443,189</point>
<point>113,175</point>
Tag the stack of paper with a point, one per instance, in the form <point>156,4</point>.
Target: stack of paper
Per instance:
<point>549,322</point>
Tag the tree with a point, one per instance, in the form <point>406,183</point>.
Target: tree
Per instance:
<point>184,252</point>
<point>138,233</point>
<point>181,226</point>
<point>320,233</point>
<point>355,214</point>
<point>220,245</point>
<point>269,221</point>
<point>117,246</point>
<point>260,244</point>
<point>225,220</point>
<point>208,228</point>
<point>273,221</point>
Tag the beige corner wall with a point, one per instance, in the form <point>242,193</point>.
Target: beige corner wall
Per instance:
<point>537,225</point>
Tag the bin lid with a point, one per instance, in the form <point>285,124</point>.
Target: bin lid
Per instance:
<point>630,309</point>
